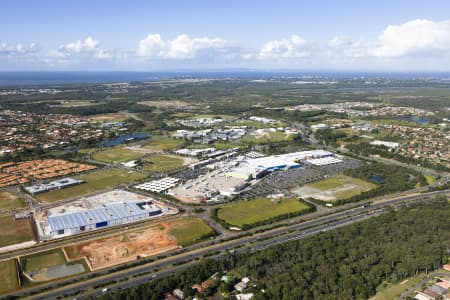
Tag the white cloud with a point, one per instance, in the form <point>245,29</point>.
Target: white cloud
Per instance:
<point>295,47</point>
<point>19,50</point>
<point>412,37</point>
<point>152,46</point>
<point>82,49</point>
<point>185,47</point>
<point>344,48</point>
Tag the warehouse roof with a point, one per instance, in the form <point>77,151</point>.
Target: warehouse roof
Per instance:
<point>101,214</point>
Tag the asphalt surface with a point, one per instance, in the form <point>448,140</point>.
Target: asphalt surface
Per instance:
<point>261,240</point>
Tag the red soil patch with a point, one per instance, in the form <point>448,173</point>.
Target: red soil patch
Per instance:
<point>125,247</point>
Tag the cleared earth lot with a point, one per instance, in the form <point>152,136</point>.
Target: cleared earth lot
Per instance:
<point>10,201</point>
<point>153,240</point>
<point>15,231</point>
<point>94,181</point>
<point>248,213</point>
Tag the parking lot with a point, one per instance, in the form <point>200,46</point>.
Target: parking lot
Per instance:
<point>283,181</point>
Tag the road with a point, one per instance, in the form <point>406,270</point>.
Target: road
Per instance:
<point>262,240</point>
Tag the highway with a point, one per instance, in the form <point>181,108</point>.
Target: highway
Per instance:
<point>259,241</point>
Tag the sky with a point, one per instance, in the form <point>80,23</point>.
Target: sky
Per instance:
<point>134,35</point>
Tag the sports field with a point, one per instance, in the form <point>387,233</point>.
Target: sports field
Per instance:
<point>8,276</point>
<point>335,188</point>
<point>116,155</point>
<point>258,210</point>
<point>162,163</point>
<point>9,201</point>
<point>162,143</point>
<point>42,260</point>
<point>15,232</point>
<point>94,181</point>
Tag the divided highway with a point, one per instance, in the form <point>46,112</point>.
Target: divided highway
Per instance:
<point>145,272</point>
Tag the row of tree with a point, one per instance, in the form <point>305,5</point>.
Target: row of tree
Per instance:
<point>348,263</point>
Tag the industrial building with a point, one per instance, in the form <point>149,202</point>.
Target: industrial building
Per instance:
<point>53,185</point>
<point>107,215</point>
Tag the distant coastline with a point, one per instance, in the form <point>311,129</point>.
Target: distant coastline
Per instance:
<point>46,78</point>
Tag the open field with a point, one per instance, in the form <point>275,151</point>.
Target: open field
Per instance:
<point>162,163</point>
<point>116,155</point>
<point>266,137</point>
<point>10,201</point>
<point>430,179</point>
<point>162,143</point>
<point>335,188</point>
<point>8,276</point>
<point>258,210</point>
<point>389,291</point>
<point>189,230</point>
<point>227,145</point>
<point>256,124</point>
<point>94,182</point>
<point>75,103</point>
<point>165,103</point>
<point>114,117</point>
<point>42,260</point>
<point>156,239</point>
<point>15,232</point>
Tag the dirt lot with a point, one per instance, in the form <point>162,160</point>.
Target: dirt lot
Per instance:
<point>113,117</point>
<point>126,247</point>
<point>165,104</point>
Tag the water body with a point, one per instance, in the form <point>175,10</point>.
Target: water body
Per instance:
<point>124,138</point>
<point>415,119</point>
<point>46,78</point>
<point>377,178</point>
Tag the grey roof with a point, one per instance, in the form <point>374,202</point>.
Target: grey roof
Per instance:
<point>437,289</point>
<point>97,215</point>
<point>55,184</point>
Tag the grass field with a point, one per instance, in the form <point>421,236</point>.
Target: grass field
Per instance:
<point>334,182</point>
<point>14,232</point>
<point>162,163</point>
<point>39,261</point>
<point>227,145</point>
<point>257,210</point>
<point>94,182</point>
<point>430,179</point>
<point>116,155</point>
<point>9,201</point>
<point>8,276</point>
<point>388,291</point>
<point>188,231</point>
<point>162,143</point>
<point>269,137</point>
<point>341,187</point>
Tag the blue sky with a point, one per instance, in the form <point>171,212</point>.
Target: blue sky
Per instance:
<point>174,34</point>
